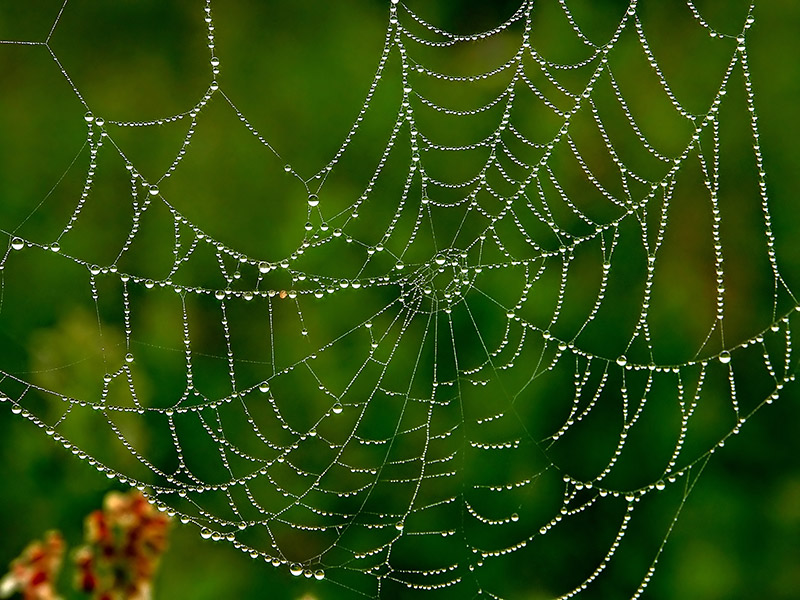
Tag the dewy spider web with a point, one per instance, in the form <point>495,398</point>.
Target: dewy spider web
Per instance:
<point>472,367</point>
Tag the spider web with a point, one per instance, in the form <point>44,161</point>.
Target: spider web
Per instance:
<point>551,298</point>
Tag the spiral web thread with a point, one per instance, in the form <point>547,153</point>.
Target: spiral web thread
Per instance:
<point>457,317</point>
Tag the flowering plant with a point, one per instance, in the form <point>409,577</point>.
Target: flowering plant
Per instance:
<point>34,572</point>
<point>123,545</point>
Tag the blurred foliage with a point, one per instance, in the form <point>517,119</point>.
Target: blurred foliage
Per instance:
<point>299,71</point>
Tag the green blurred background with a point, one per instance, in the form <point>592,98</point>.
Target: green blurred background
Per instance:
<point>299,71</point>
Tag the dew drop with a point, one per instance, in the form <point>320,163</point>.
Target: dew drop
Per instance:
<point>129,358</point>
<point>264,387</point>
<point>17,243</point>
<point>205,534</point>
<point>88,117</point>
<point>319,575</point>
<point>724,357</point>
<point>313,200</point>
<point>154,190</point>
<point>622,361</point>
<point>264,267</point>
<point>55,247</point>
<point>296,570</point>
<point>660,485</point>
<point>337,408</point>
<point>515,517</point>
<point>219,294</point>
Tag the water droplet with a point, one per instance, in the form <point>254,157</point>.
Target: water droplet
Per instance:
<point>55,247</point>
<point>319,574</point>
<point>264,267</point>
<point>264,387</point>
<point>724,357</point>
<point>399,266</point>
<point>129,357</point>
<point>337,408</point>
<point>17,244</point>
<point>313,200</point>
<point>99,121</point>
<point>515,517</point>
<point>219,294</point>
<point>296,570</point>
<point>399,526</point>
<point>88,117</point>
<point>154,190</point>
<point>288,168</point>
<point>622,361</point>
<point>205,533</point>
<point>660,485</point>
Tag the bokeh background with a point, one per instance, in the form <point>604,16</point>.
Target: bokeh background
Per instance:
<point>299,71</point>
